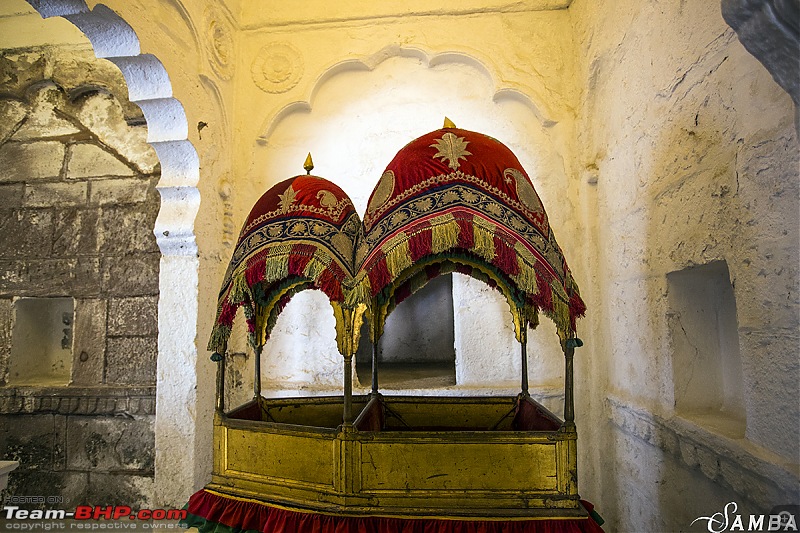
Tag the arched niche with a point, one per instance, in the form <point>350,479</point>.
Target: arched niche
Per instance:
<point>357,118</point>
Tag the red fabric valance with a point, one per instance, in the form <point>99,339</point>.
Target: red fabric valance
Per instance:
<point>248,515</point>
<point>455,192</point>
<point>300,234</point>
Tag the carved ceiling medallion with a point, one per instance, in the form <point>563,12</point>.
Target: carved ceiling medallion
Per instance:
<point>277,68</point>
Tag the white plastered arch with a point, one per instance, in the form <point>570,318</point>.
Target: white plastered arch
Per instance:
<point>179,445</point>
<point>539,107</point>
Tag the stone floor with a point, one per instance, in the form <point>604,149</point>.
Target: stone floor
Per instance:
<point>409,375</point>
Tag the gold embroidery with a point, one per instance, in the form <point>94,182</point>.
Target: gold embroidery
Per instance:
<point>450,196</point>
<point>494,209</point>
<point>525,191</point>
<point>398,218</point>
<point>326,199</point>
<point>469,196</point>
<point>383,191</point>
<point>451,149</point>
<point>343,244</point>
<point>540,238</point>
<point>312,232</point>
<point>287,198</point>
<point>331,212</point>
<point>424,204</point>
<point>361,253</point>
<point>370,218</point>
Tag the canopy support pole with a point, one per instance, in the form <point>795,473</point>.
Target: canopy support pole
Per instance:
<point>522,328</point>
<point>375,351</point>
<point>524,352</point>
<point>376,347</point>
<point>348,390</point>
<point>257,378</point>
<point>569,400</point>
<point>374,368</point>
<point>220,403</point>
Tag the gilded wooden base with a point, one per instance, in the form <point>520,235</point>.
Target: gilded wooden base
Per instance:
<point>404,456</point>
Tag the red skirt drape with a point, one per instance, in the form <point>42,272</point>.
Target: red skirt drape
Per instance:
<point>240,514</point>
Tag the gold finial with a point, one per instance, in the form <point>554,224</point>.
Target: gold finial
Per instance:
<point>308,166</point>
<point>448,123</point>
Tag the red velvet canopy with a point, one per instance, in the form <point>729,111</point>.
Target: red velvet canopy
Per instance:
<point>300,234</point>
<point>451,200</point>
<point>459,200</point>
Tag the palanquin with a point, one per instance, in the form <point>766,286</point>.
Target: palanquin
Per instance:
<point>450,201</point>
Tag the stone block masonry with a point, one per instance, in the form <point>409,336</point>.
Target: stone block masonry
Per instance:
<point>77,210</point>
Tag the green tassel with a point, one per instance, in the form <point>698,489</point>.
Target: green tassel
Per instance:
<point>532,314</point>
<point>358,293</point>
<point>574,342</point>
<point>526,279</point>
<point>219,338</point>
<point>276,266</point>
<point>560,316</point>
<point>318,264</point>
<point>239,290</point>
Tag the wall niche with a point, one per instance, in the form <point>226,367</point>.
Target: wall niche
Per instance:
<point>706,365</point>
<point>41,342</point>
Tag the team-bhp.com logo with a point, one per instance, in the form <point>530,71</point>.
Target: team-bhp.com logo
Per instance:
<point>88,512</point>
<point>783,518</point>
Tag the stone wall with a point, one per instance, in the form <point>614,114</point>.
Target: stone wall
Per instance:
<point>77,210</point>
<point>688,168</point>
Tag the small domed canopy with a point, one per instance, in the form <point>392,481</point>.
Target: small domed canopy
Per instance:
<point>299,235</point>
<point>456,200</point>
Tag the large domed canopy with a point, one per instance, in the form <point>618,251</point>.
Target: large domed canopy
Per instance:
<point>299,235</point>
<point>456,200</point>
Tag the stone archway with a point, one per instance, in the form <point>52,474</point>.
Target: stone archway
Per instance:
<point>177,467</point>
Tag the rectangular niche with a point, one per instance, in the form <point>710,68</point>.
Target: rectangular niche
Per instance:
<point>418,344</point>
<point>706,365</point>
<point>41,342</point>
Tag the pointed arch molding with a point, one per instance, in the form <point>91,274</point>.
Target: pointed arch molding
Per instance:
<point>167,127</point>
<point>181,464</point>
<point>528,96</point>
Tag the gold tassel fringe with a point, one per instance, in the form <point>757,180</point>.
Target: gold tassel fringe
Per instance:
<point>444,233</point>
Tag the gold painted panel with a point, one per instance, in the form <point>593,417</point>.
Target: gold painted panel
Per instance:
<point>458,466</point>
<point>308,459</point>
<point>445,413</point>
